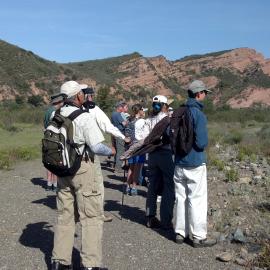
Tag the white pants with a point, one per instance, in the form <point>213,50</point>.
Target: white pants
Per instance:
<point>191,201</point>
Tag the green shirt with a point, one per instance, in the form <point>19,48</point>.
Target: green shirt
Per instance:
<point>47,116</point>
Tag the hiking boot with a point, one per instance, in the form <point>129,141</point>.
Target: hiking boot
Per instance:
<point>179,239</point>
<point>152,222</point>
<point>59,266</point>
<point>203,243</point>
<point>133,192</point>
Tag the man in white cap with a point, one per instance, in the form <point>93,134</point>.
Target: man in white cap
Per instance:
<point>190,176</point>
<point>161,168</point>
<point>81,193</point>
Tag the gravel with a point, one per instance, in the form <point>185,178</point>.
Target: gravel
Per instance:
<point>28,214</point>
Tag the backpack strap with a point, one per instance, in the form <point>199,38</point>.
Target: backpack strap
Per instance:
<point>75,114</point>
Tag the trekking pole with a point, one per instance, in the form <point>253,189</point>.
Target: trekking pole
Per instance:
<point>123,195</point>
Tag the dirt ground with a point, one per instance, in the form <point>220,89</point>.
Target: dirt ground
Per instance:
<point>28,214</point>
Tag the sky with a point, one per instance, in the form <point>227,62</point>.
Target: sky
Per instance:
<point>71,31</point>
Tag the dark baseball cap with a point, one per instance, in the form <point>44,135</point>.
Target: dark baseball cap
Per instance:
<point>88,90</point>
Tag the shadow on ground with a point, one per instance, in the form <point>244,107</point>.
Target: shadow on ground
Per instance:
<point>134,214</point>
<point>49,201</point>
<point>39,181</point>
<point>40,235</point>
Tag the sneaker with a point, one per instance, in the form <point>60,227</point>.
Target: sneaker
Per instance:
<point>128,189</point>
<point>48,188</point>
<point>179,239</point>
<point>159,199</point>
<point>203,243</point>
<point>152,222</point>
<point>54,189</point>
<point>133,192</point>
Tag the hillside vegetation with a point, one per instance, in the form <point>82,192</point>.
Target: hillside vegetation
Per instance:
<point>228,73</point>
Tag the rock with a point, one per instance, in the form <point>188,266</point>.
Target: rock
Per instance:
<point>241,261</point>
<point>238,236</point>
<point>244,253</point>
<point>245,180</point>
<point>224,257</point>
<point>222,237</point>
<point>257,179</point>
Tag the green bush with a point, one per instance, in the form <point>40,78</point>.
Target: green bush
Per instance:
<point>232,175</point>
<point>9,115</point>
<point>10,156</point>
<point>35,100</point>
<point>219,164</point>
<point>234,137</point>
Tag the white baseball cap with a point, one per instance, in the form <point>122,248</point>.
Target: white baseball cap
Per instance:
<point>162,99</point>
<point>71,88</point>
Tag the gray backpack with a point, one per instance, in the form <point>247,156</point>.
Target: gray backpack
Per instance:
<point>60,154</point>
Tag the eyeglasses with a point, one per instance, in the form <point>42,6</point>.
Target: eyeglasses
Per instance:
<point>204,91</point>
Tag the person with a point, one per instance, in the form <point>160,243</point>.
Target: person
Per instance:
<point>135,163</point>
<point>119,122</point>
<point>161,168</point>
<point>82,192</point>
<point>105,126</point>
<point>57,101</point>
<point>190,176</point>
<point>124,112</point>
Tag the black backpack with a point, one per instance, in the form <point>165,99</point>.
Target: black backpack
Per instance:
<point>60,154</point>
<point>181,131</point>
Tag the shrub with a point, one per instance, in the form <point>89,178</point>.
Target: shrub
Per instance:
<point>264,133</point>
<point>19,100</point>
<point>245,151</point>
<point>231,175</point>
<point>9,157</point>
<point>219,164</point>
<point>234,137</point>
<point>35,100</point>
<point>263,259</point>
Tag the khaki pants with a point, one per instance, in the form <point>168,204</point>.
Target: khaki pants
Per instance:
<point>83,193</point>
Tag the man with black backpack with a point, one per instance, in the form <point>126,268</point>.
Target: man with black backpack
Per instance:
<point>190,175</point>
<point>82,192</point>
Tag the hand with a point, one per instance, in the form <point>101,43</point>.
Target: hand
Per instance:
<point>113,151</point>
<point>127,139</point>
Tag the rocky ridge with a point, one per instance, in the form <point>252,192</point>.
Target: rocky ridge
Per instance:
<point>238,77</point>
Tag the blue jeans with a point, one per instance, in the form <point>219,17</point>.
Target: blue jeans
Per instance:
<point>161,168</point>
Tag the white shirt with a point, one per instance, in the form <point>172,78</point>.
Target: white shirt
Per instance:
<point>86,130</point>
<point>104,123</point>
<point>151,122</point>
<point>139,129</point>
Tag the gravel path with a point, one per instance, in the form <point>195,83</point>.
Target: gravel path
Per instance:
<point>28,214</point>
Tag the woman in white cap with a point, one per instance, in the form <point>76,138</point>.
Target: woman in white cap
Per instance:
<point>161,169</point>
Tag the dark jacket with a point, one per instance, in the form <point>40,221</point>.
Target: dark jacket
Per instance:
<point>196,157</point>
